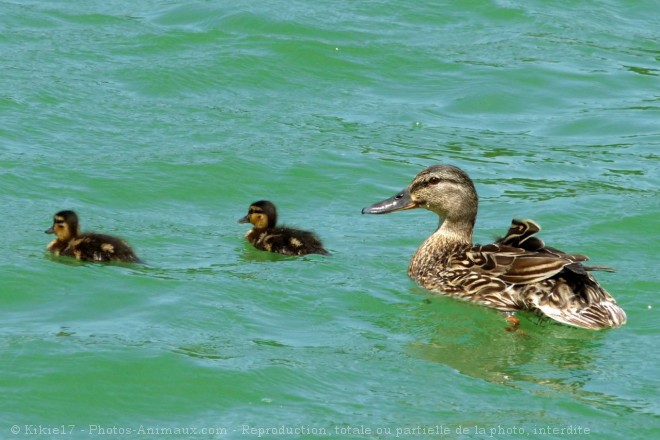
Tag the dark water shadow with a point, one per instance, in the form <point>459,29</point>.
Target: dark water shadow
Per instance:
<point>541,357</point>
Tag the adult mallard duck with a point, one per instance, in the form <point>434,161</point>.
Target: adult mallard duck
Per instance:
<point>267,236</point>
<point>517,272</point>
<point>87,246</point>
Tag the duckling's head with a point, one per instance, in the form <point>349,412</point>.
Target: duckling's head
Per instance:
<point>65,226</point>
<point>262,215</point>
<point>443,189</point>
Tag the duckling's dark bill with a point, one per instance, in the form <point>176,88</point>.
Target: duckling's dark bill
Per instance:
<point>244,219</point>
<point>399,202</point>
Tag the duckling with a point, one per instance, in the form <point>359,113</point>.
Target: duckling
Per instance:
<point>87,246</point>
<point>517,272</point>
<point>267,236</point>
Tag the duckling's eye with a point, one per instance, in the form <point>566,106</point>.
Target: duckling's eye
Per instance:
<point>434,180</point>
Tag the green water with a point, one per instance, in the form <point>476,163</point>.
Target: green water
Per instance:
<point>161,121</point>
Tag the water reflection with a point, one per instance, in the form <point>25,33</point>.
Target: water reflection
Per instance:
<point>542,358</point>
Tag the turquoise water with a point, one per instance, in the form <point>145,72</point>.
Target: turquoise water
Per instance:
<point>161,121</point>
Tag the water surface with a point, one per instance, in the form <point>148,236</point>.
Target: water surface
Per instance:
<point>161,122</point>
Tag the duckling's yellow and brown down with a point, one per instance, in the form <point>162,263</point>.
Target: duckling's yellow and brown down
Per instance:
<point>517,272</point>
<point>87,246</point>
<point>267,236</point>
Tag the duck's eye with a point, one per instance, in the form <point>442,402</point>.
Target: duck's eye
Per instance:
<point>434,180</point>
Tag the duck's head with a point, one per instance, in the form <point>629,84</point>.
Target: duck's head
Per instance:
<point>262,215</point>
<point>443,189</point>
<point>65,226</point>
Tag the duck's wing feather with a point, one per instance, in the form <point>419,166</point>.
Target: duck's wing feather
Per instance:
<point>100,247</point>
<point>521,235</point>
<point>513,265</point>
<point>563,305</point>
<point>290,241</point>
<point>522,258</point>
<point>551,281</point>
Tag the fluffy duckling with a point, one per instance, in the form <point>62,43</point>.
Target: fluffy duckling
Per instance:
<point>517,272</point>
<point>267,236</point>
<point>86,246</point>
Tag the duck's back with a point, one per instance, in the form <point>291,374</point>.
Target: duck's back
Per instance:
<point>574,297</point>
<point>289,241</point>
<point>100,247</point>
<point>545,279</point>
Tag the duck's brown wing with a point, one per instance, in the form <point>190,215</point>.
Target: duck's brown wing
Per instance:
<point>522,258</point>
<point>100,247</point>
<point>514,265</point>
<point>547,280</point>
<point>576,300</point>
<point>291,241</point>
<point>521,235</point>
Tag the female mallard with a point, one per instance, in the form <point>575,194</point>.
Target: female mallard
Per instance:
<point>517,272</point>
<point>87,246</point>
<point>267,236</point>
